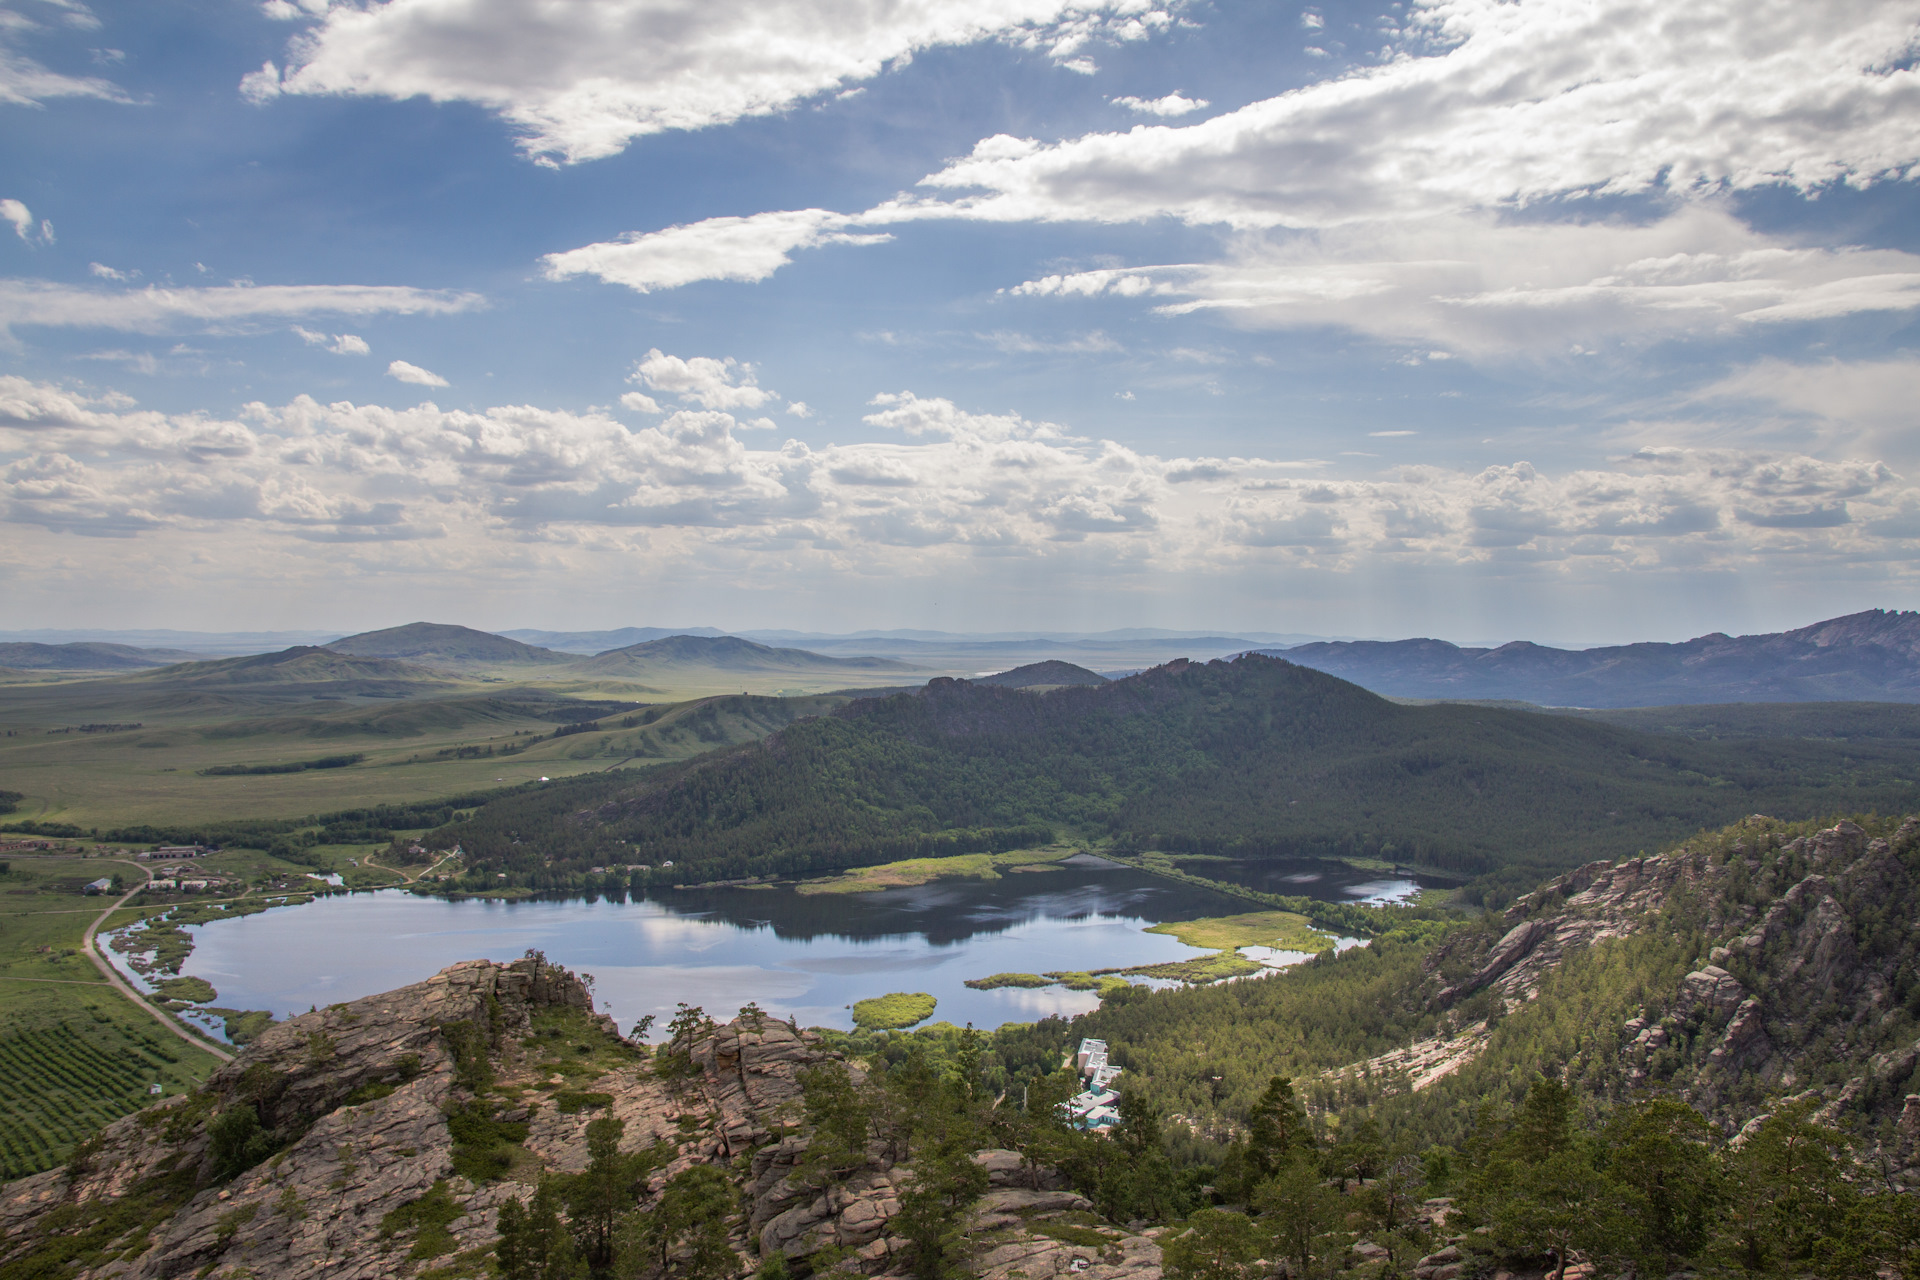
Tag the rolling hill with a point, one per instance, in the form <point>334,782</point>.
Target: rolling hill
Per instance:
<point>86,656</point>
<point>592,642</point>
<point>1042,675</point>
<point>299,671</point>
<point>1256,757</point>
<point>1872,656</point>
<point>435,643</point>
<point>671,657</point>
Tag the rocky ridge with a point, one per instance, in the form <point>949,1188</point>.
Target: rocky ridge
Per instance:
<point>1809,945</point>
<point>361,1110</point>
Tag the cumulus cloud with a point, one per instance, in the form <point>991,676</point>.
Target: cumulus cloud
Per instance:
<point>582,80</point>
<point>702,380</point>
<point>401,371</point>
<point>1174,104</point>
<point>745,249</point>
<point>1487,104</point>
<point>157,310</point>
<point>944,487</point>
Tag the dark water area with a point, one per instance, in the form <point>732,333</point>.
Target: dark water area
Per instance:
<point>947,912</point>
<point>804,956</point>
<point>1318,878</point>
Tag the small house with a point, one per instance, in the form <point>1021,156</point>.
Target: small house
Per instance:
<point>102,885</point>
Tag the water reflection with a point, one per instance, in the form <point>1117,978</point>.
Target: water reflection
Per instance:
<point>803,956</point>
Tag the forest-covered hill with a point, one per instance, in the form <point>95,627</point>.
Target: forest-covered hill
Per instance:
<point>1257,755</point>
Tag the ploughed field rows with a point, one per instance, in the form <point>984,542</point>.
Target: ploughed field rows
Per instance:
<point>57,1086</point>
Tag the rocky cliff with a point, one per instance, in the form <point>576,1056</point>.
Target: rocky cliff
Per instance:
<point>382,1137</point>
<point>1797,976</point>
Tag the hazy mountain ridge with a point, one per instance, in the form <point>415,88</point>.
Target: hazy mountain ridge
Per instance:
<point>86,656</point>
<point>1869,656</point>
<point>723,653</point>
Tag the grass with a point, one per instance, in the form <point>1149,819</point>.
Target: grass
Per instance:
<point>915,871</point>
<point>72,1059</point>
<point>74,1053</point>
<point>892,1011</point>
<point>1281,930</point>
<point>998,980</point>
<point>450,737</point>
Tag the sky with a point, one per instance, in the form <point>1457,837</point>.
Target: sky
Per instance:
<point>1579,321</point>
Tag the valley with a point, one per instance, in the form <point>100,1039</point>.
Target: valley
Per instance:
<point>1228,872</point>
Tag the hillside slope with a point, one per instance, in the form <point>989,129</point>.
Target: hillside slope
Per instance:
<point>1870,656</point>
<point>434,642</point>
<point>296,671</point>
<point>1257,756</point>
<point>86,656</point>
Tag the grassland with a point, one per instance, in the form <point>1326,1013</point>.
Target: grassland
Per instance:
<point>1281,930</point>
<point>892,1011</point>
<point>914,871</point>
<point>444,738</point>
<point>74,1053</point>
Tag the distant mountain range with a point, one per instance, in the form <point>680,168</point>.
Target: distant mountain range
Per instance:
<point>1863,657</point>
<point>662,658</point>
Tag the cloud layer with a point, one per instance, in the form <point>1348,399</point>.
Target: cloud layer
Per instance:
<point>583,78</point>
<point>158,310</point>
<point>945,492</point>
<point>1452,194</point>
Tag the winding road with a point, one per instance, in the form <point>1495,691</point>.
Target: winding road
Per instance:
<point>125,988</point>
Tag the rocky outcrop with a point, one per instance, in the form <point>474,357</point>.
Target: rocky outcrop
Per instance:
<point>1807,948</point>
<point>355,1104</point>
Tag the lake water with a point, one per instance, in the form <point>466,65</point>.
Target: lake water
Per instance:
<point>802,956</point>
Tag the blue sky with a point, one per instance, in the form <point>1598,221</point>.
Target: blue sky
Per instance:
<point>1578,322</point>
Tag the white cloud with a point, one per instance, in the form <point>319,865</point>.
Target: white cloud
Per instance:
<point>746,249</point>
<point>19,216</point>
<point>102,271</point>
<point>1383,200</point>
<point>1489,290</point>
<point>1174,104</point>
<point>155,310</point>
<point>799,409</point>
<point>401,371</point>
<point>582,80</point>
<point>1490,103</point>
<point>345,344</point>
<point>641,403</point>
<point>703,380</point>
<point>25,82</point>
<point>945,496</point>
<point>1311,20</point>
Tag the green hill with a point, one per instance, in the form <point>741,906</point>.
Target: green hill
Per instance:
<point>1042,675</point>
<point>300,670</point>
<point>434,642</point>
<point>1256,756</point>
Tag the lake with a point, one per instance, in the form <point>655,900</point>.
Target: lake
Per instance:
<point>802,956</point>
